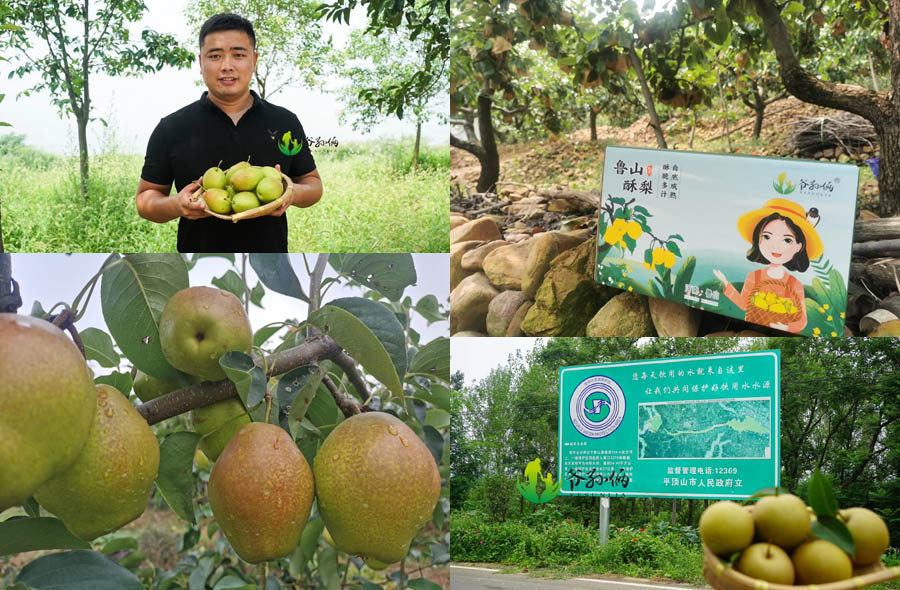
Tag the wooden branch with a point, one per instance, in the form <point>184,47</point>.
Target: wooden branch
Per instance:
<point>471,147</point>
<point>590,198</point>
<point>210,392</point>
<point>497,107</point>
<point>808,88</point>
<point>877,248</point>
<point>877,229</point>
<point>880,277</point>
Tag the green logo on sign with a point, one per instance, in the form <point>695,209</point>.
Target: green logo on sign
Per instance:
<point>528,488</point>
<point>288,146</point>
<point>782,188</point>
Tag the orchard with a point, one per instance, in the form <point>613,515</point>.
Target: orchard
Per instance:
<point>297,454</point>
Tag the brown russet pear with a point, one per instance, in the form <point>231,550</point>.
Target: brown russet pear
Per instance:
<point>726,527</point>
<point>200,324</point>
<point>109,483</point>
<point>261,490</point>
<point>376,484</point>
<point>219,422</point>
<point>870,534</point>
<point>47,402</point>
<point>782,519</point>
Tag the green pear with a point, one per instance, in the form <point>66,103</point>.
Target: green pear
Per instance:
<point>246,178</point>
<point>269,189</point>
<point>244,201</point>
<point>109,483</point>
<point>148,388</point>
<point>271,172</point>
<point>218,200</point>
<point>363,467</point>
<point>47,402</point>
<point>820,562</point>
<point>870,534</point>
<point>200,324</point>
<point>230,172</point>
<point>726,527</point>
<point>782,519</point>
<point>213,178</point>
<point>765,561</point>
<point>261,490</point>
<point>218,422</point>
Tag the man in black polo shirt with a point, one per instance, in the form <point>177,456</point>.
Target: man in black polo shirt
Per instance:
<point>229,123</point>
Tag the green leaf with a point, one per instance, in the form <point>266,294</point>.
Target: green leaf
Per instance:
<point>32,508</point>
<point>829,528</point>
<point>197,581</point>
<point>438,418</point>
<point>175,479</point>
<point>309,540</point>
<point>231,282</point>
<point>793,8</point>
<point>389,274</point>
<point>360,343</point>
<point>439,396</point>
<point>429,308</point>
<point>304,388</point>
<point>233,583</point>
<point>256,294</point>
<point>264,333</point>
<point>121,381</point>
<point>683,277</point>
<point>77,570</point>
<point>422,584</point>
<point>433,359</point>
<point>133,295</point>
<point>323,411</point>
<point>98,346</point>
<point>435,442</point>
<point>821,495</point>
<point>276,273</point>
<point>31,534</point>
<point>673,248</point>
<point>383,323</point>
<point>118,544</point>
<point>328,568</point>
<point>249,379</point>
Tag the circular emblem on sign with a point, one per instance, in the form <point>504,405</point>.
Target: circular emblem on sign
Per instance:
<point>597,407</point>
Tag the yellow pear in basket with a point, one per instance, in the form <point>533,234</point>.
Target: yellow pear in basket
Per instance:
<point>765,561</point>
<point>270,172</point>
<point>244,201</point>
<point>231,171</point>
<point>782,520</point>
<point>269,189</point>
<point>218,200</point>
<point>726,527</point>
<point>213,178</point>
<point>821,562</point>
<point>870,534</point>
<point>246,179</point>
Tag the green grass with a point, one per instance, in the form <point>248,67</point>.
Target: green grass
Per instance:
<point>372,203</point>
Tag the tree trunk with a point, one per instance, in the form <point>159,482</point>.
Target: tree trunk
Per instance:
<point>881,108</point>
<point>724,108</point>
<point>690,513</point>
<point>674,510</point>
<point>486,149</point>
<point>83,154</point>
<point>593,125</point>
<point>648,99</point>
<point>1,232</point>
<point>416,149</point>
<point>759,106</point>
<point>872,72</point>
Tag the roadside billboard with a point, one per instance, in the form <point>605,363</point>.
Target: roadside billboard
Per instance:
<point>692,427</point>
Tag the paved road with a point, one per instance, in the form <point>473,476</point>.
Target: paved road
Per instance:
<point>479,578</point>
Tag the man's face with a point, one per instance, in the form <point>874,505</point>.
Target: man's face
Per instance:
<point>227,61</point>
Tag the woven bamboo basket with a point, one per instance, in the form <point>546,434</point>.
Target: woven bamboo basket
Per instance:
<point>258,211</point>
<point>722,577</point>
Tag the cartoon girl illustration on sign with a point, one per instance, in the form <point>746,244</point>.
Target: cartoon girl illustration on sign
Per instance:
<point>782,238</point>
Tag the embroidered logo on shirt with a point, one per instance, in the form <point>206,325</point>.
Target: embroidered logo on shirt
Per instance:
<point>288,146</point>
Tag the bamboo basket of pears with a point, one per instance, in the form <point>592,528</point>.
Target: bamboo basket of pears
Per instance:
<point>780,543</point>
<point>243,191</point>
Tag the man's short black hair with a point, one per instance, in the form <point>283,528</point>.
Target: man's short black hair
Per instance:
<point>227,22</point>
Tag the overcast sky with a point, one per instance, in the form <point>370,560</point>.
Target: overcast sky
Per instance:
<point>133,106</point>
<point>50,278</point>
<point>476,357</point>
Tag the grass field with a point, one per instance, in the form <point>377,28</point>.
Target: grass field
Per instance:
<point>372,203</point>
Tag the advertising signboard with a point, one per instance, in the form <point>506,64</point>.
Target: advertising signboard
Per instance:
<point>692,427</point>
<point>766,240</point>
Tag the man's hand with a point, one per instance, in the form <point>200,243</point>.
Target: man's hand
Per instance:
<point>284,206</point>
<point>189,208</point>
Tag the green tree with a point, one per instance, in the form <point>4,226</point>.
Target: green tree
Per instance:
<point>289,39</point>
<point>375,67</point>
<point>81,42</point>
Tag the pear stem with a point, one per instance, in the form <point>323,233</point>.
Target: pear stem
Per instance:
<point>268,398</point>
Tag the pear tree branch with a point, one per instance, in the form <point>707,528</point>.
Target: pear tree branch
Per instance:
<point>209,392</point>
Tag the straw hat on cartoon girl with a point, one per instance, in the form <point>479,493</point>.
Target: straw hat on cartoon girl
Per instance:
<point>781,238</point>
